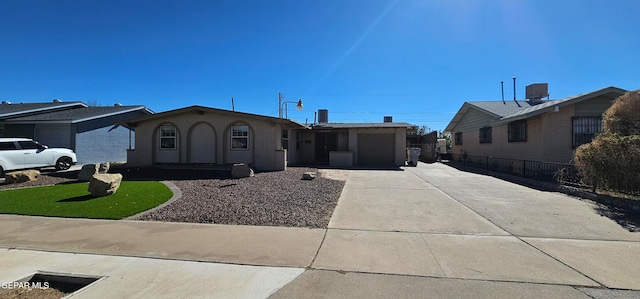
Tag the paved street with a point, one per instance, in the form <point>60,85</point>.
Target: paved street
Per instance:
<point>425,231</point>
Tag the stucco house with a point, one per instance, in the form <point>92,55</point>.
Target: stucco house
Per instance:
<point>534,130</point>
<point>204,135</point>
<point>89,131</point>
<point>355,144</point>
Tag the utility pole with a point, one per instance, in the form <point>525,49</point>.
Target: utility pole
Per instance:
<point>280,98</point>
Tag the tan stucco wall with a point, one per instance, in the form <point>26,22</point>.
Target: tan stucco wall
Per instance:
<point>264,137</point>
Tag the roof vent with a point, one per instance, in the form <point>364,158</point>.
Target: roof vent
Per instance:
<point>388,119</point>
<point>6,102</point>
<point>117,105</point>
<point>323,116</point>
<point>57,101</point>
<point>535,92</point>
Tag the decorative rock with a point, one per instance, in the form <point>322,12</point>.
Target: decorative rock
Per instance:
<point>104,167</point>
<point>88,170</point>
<point>241,170</point>
<point>103,184</point>
<point>21,176</point>
<point>308,175</point>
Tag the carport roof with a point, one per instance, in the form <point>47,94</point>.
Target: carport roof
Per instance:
<point>363,125</point>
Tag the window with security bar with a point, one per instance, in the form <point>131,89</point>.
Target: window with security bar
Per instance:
<point>585,128</point>
<point>485,135</point>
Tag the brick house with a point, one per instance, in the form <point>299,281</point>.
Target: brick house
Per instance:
<point>536,130</point>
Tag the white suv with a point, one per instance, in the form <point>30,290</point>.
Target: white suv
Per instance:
<point>21,153</point>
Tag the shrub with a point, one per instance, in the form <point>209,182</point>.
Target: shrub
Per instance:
<point>611,160</point>
<point>623,117</point>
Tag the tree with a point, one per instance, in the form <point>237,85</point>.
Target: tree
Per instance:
<point>442,135</point>
<point>419,131</point>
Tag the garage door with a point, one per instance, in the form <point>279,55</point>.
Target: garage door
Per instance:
<point>53,136</point>
<point>376,149</point>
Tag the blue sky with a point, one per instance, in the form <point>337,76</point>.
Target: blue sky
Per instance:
<point>416,60</point>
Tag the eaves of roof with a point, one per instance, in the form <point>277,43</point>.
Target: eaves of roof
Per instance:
<point>202,109</point>
<point>76,115</point>
<point>363,125</point>
<point>34,108</point>
<point>505,112</point>
<point>550,105</point>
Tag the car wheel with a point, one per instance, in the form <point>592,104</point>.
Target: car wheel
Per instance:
<point>63,163</point>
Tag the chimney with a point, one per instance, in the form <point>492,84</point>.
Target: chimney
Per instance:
<point>323,116</point>
<point>388,119</point>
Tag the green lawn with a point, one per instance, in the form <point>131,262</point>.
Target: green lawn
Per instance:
<point>73,200</point>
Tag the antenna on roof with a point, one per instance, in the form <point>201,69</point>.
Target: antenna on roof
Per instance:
<point>233,106</point>
<point>502,85</point>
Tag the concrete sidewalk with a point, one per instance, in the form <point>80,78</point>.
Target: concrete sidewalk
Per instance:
<point>428,231</point>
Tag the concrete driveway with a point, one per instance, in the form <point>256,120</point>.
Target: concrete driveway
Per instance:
<point>425,231</point>
<point>436,221</point>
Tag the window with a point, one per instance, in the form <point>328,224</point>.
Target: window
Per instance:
<point>168,137</point>
<point>239,138</point>
<point>29,145</point>
<point>285,139</point>
<point>7,146</point>
<point>518,131</point>
<point>458,138</point>
<point>485,135</point>
<point>297,140</point>
<point>585,128</point>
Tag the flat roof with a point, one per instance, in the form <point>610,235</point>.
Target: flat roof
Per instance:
<point>362,125</point>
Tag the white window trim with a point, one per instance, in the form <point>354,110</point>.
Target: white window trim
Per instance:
<point>174,137</point>
<point>240,137</point>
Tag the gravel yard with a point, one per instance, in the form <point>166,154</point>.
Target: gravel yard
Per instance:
<point>279,198</point>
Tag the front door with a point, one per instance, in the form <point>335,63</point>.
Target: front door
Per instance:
<point>325,143</point>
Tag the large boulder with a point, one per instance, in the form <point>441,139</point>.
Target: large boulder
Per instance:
<point>21,176</point>
<point>103,184</point>
<point>241,170</point>
<point>88,170</point>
